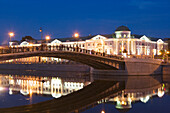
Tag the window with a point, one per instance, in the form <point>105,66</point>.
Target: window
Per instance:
<point>143,44</point>
<point>88,44</point>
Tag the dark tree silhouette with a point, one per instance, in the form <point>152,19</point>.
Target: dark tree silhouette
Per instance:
<point>124,51</point>
<point>27,38</point>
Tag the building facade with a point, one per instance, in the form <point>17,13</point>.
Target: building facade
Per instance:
<point>122,43</point>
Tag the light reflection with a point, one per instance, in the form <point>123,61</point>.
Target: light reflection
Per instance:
<point>125,99</point>
<point>1,88</point>
<point>52,86</point>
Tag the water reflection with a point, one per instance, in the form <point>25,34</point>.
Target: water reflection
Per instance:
<point>126,98</point>
<point>139,89</point>
<point>44,86</point>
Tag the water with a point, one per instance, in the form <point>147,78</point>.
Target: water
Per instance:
<point>147,94</point>
<point>141,94</point>
<point>155,105</point>
<point>7,100</point>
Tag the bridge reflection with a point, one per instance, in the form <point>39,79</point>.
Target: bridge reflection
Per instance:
<point>119,90</point>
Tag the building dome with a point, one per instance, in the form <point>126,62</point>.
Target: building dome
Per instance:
<point>122,28</point>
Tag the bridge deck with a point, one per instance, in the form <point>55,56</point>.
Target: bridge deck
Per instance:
<point>95,61</point>
<point>94,92</point>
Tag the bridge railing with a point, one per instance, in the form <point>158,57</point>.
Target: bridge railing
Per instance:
<point>55,48</point>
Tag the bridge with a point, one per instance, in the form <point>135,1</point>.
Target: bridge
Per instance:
<point>99,61</point>
<point>94,59</point>
<point>74,102</point>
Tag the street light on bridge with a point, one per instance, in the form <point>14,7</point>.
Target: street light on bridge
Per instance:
<point>11,34</point>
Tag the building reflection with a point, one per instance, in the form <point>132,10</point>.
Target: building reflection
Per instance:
<point>49,86</point>
<point>139,89</point>
<point>37,59</point>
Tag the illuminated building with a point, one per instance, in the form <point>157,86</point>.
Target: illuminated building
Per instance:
<point>120,44</point>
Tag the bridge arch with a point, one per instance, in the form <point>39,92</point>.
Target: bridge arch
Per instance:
<point>90,60</point>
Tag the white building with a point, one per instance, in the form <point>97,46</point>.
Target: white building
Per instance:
<point>123,42</point>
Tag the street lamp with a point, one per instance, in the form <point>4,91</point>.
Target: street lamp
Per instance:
<point>47,38</point>
<point>41,34</point>
<point>167,53</point>
<point>102,111</point>
<point>76,35</point>
<point>41,31</point>
<point>11,34</point>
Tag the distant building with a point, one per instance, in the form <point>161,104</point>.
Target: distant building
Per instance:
<point>122,43</point>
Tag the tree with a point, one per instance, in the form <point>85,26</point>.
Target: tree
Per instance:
<point>27,38</point>
<point>124,51</point>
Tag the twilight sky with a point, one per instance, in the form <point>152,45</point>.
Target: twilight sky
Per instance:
<point>61,18</point>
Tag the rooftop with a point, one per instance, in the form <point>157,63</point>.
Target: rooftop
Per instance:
<point>122,28</point>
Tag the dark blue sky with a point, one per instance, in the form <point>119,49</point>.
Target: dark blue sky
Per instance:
<point>61,18</point>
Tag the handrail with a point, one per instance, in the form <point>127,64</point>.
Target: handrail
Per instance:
<point>56,48</point>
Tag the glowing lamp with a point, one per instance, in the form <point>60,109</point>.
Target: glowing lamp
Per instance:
<point>102,111</point>
<point>47,37</point>
<point>76,35</point>
<point>11,34</point>
<point>160,53</point>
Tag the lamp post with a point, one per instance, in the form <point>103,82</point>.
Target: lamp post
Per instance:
<point>167,53</point>
<point>11,34</point>
<point>41,34</point>
<point>41,31</point>
<point>47,38</point>
<point>76,35</point>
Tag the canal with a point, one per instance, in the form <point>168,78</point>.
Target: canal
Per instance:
<point>78,90</point>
